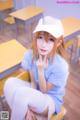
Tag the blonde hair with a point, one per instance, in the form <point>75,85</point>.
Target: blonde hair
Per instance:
<point>60,49</point>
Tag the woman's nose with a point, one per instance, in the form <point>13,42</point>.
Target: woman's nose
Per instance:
<point>43,43</point>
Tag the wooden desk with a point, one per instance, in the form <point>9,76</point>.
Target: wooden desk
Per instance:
<point>71,27</point>
<point>72,30</point>
<point>27,13</point>
<point>6,4</point>
<point>27,16</point>
<point>11,54</point>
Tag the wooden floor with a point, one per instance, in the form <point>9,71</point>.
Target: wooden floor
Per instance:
<point>72,97</point>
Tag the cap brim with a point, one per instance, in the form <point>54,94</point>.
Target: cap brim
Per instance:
<point>53,30</point>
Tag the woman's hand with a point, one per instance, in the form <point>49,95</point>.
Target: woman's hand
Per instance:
<point>32,108</point>
<point>42,62</point>
<point>30,115</point>
<point>43,84</point>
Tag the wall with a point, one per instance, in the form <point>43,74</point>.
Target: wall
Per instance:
<point>55,9</point>
<point>51,7</point>
<point>18,4</point>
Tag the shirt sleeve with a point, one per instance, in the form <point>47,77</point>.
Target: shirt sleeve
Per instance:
<point>27,60</point>
<point>58,76</point>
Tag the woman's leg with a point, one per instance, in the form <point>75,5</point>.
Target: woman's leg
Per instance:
<point>25,97</point>
<point>10,87</point>
<point>19,96</point>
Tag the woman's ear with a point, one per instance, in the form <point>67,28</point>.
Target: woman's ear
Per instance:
<point>59,43</point>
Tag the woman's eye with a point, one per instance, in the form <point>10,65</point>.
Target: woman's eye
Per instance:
<point>51,39</point>
<point>40,37</point>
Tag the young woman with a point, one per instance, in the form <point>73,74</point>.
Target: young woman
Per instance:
<point>48,70</point>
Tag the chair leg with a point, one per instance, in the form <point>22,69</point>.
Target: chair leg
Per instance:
<point>63,118</point>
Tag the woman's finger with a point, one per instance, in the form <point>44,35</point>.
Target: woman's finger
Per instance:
<point>45,59</point>
<point>28,115</point>
<point>32,108</point>
<point>33,116</point>
<point>40,58</point>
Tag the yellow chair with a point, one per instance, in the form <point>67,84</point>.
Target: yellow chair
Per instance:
<point>10,25</point>
<point>68,43</point>
<point>25,76</point>
<point>9,20</point>
<point>59,116</point>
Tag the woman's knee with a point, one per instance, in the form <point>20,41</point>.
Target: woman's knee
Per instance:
<point>9,83</point>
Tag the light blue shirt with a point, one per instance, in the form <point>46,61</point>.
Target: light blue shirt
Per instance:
<point>56,73</point>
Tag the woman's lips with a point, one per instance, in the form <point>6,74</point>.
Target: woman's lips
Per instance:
<point>43,50</point>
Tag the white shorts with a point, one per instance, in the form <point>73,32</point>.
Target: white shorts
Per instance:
<point>19,95</point>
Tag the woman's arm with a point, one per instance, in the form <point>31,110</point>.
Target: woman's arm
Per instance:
<point>43,84</point>
<point>33,82</point>
<point>27,65</point>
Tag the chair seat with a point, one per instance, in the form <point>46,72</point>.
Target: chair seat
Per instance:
<point>24,76</point>
<point>9,20</point>
<point>68,43</point>
<point>60,115</point>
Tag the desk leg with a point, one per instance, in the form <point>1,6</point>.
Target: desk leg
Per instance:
<point>16,30</point>
<point>75,51</point>
<point>20,31</point>
<point>28,31</point>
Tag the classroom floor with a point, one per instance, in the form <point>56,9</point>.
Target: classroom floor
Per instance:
<point>72,97</point>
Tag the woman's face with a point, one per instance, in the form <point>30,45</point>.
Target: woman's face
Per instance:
<point>44,46</point>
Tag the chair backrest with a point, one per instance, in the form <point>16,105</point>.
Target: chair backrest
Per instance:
<point>60,115</point>
<point>9,20</point>
<point>24,76</point>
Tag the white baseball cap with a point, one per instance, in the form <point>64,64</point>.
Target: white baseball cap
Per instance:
<point>50,25</point>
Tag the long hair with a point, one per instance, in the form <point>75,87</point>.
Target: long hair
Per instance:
<point>60,49</point>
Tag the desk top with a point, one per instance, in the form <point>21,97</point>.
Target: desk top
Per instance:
<point>27,13</point>
<point>11,54</point>
<point>6,4</point>
<point>71,25</point>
